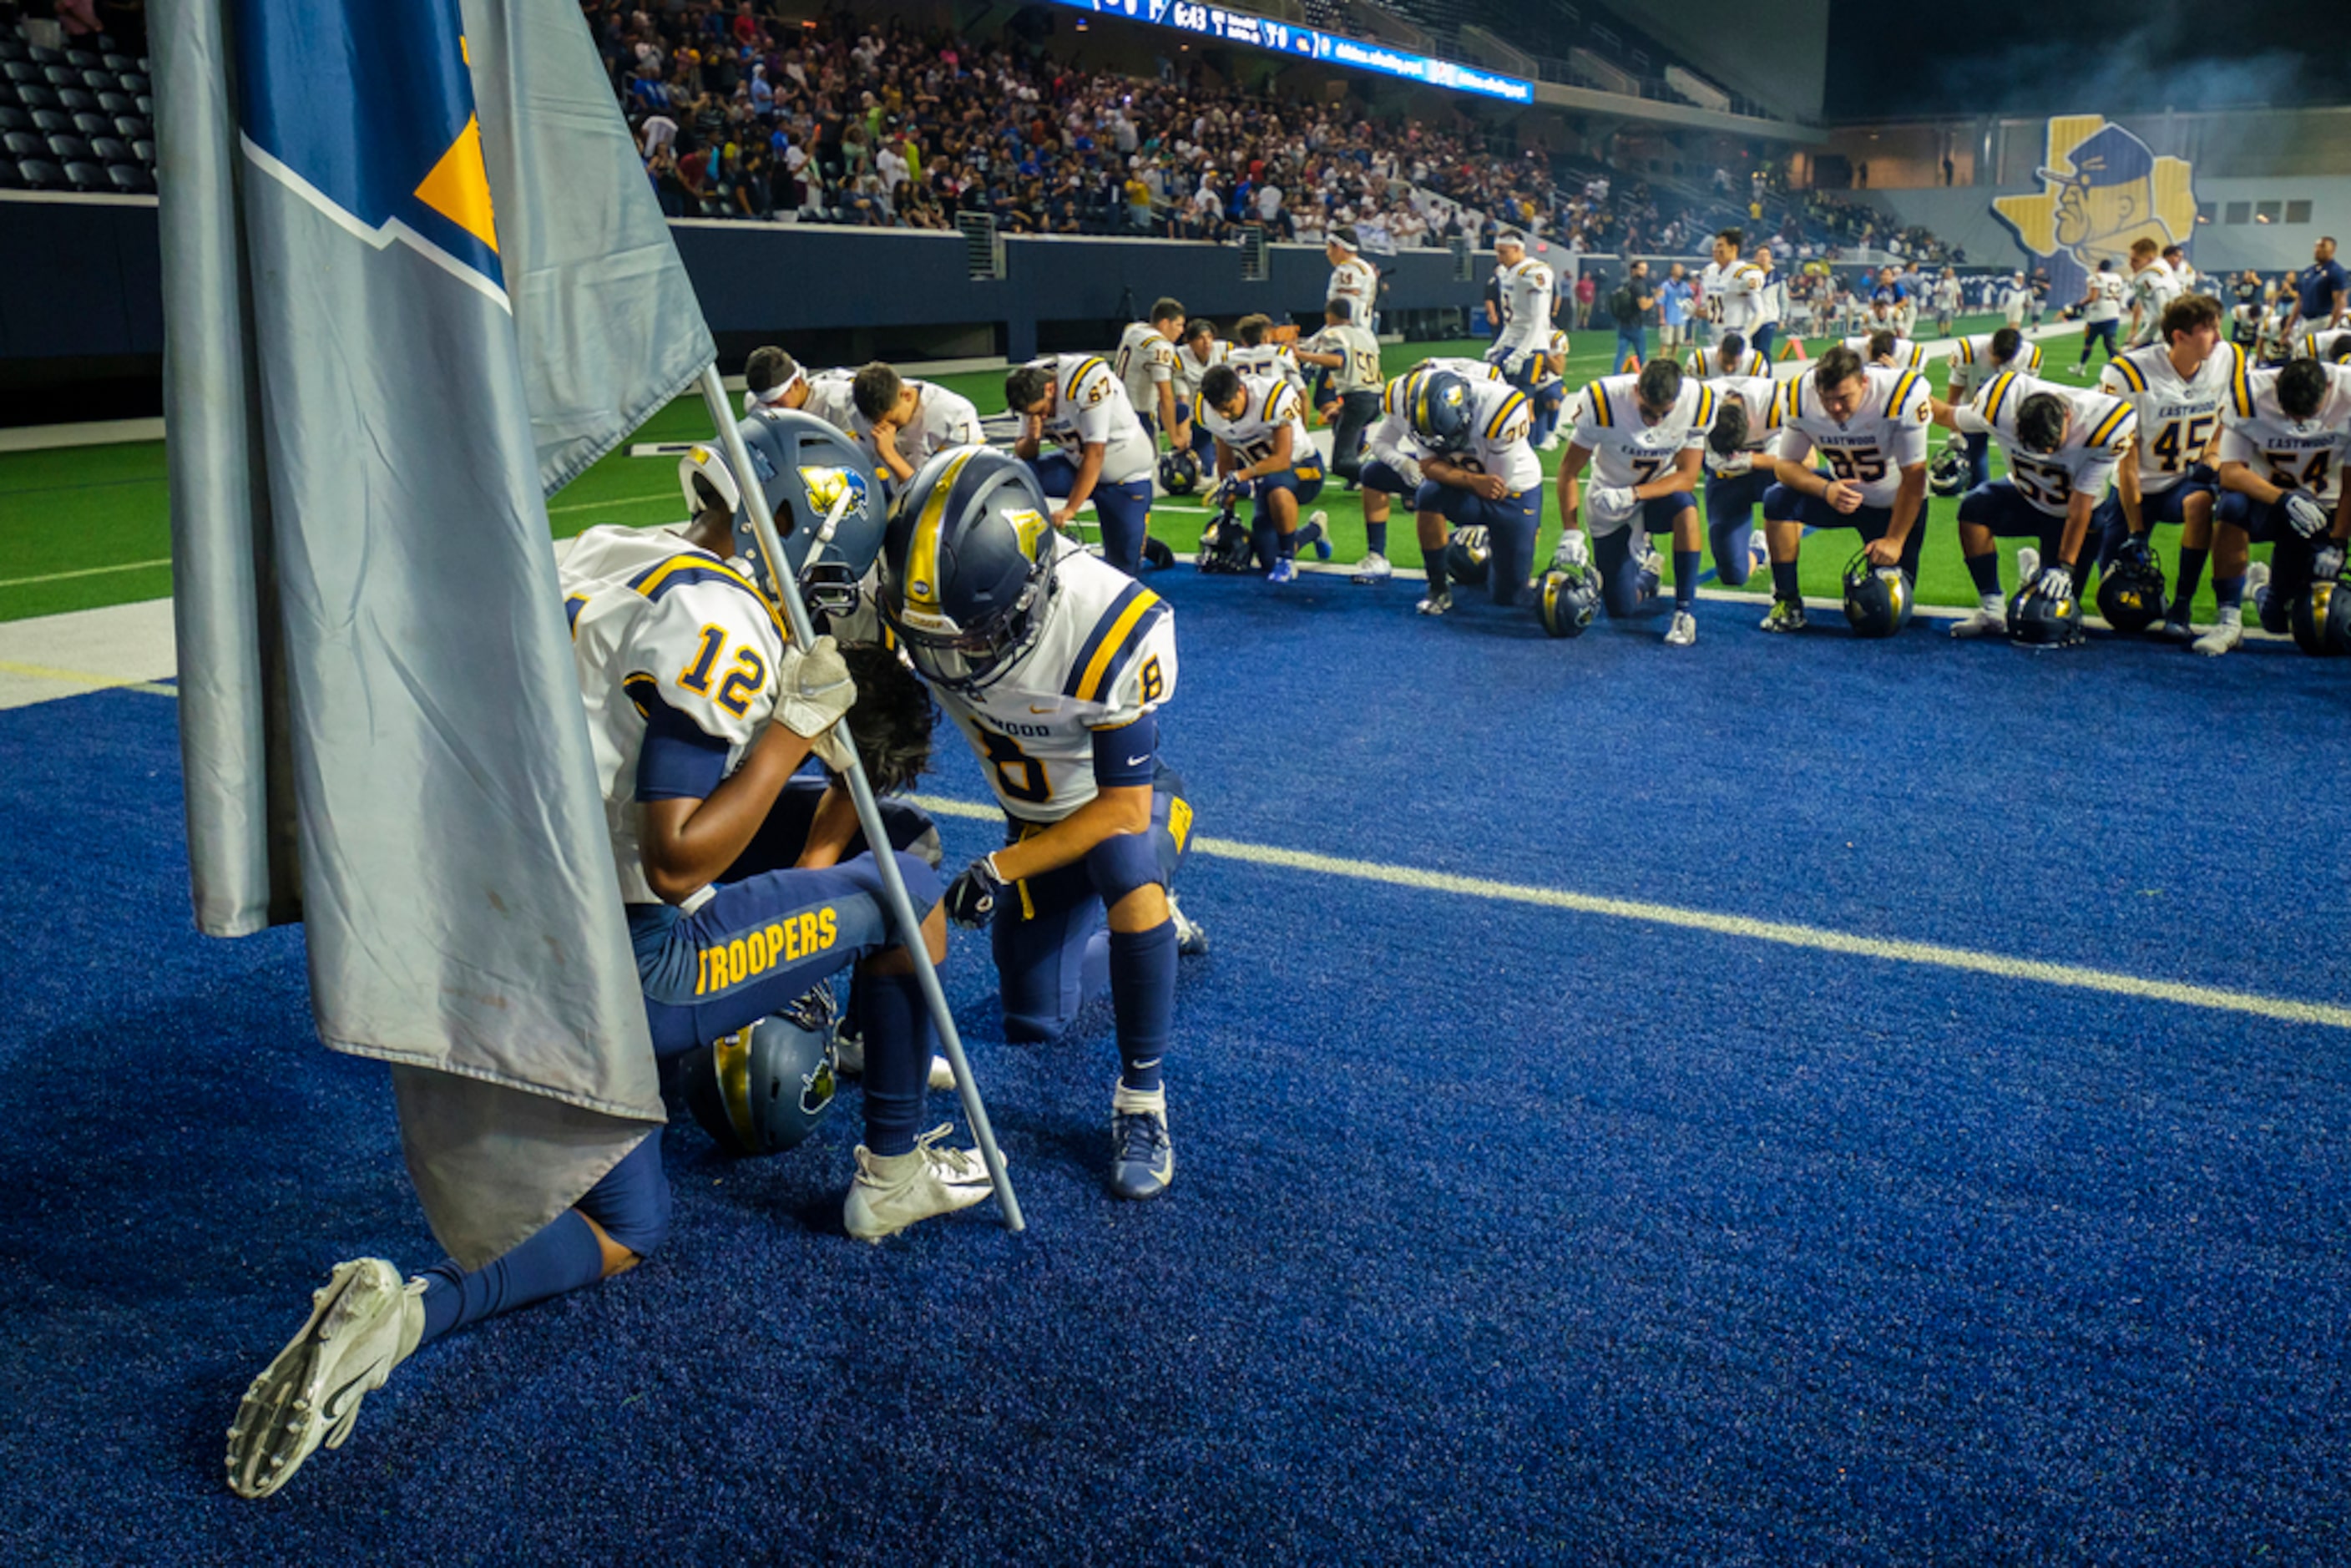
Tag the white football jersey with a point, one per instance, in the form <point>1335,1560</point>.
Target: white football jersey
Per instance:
<point>2106,295</point>
<point>2291,453</point>
<point>2102,428</point>
<point>1527,292</point>
<point>653,618</point>
<point>1756,394</point>
<point>1357,280</point>
<point>1625,451</point>
<point>1390,436</point>
<point>831,398</point>
<point>1273,405</point>
<point>1500,420</point>
<point>1146,361</point>
<point>2176,418</point>
<point>1708,364</point>
<point>1907,355</point>
<point>1104,657</point>
<point>1971,364</point>
<point>1092,406</point>
<point>1734,295</point>
<point>1268,357</point>
<point>942,419</point>
<point>1887,434</point>
<point>2014,300</point>
<point>1190,367</point>
<point>1361,370</point>
<point>2154,286</point>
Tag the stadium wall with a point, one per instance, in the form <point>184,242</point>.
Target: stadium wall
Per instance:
<point>1962,216</point>
<point>1777,54</point>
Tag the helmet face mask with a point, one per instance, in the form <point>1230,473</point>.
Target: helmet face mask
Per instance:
<point>1568,600</point>
<point>762,1090</point>
<point>1877,598</point>
<point>968,567</point>
<point>1438,411</point>
<point>1946,472</point>
<point>827,506</point>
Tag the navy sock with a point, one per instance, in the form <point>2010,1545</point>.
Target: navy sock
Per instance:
<point>2191,572</point>
<point>2229,590</point>
<point>1287,544</point>
<point>899,1036</point>
<point>1784,580</point>
<point>1985,569</point>
<point>562,1255</point>
<point>1375,537</point>
<point>1266,540</point>
<point>1435,555</point>
<point>1685,578</point>
<point>1143,996</point>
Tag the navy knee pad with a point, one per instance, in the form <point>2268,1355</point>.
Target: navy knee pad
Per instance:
<point>1122,862</point>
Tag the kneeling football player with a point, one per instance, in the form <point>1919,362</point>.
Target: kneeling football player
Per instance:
<point>1263,452</point>
<point>1645,436</point>
<point>1055,666</point>
<point>698,710</point>
<point>1479,469</point>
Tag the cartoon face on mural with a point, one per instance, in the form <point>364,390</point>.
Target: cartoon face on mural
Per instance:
<point>2101,188</point>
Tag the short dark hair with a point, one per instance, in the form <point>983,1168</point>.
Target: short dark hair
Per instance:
<point>1881,346</point>
<point>1252,329</point>
<point>1024,384</point>
<point>875,389</point>
<point>1340,309</point>
<point>768,369</point>
<point>2300,388</point>
<point>1730,431</point>
<point>1219,385</point>
<point>1837,366</point>
<point>2041,423</point>
<point>1166,309</point>
<point>1199,327</point>
<point>892,719</point>
<point>2006,344</point>
<point>1733,346</point>
<point>2189,312</point>
<point>1734,238</point>
<point>1660,383</point>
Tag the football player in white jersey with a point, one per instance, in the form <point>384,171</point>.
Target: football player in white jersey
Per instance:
<point>2180,388</point>
<point>773,380</point>
<point>1200,350</point>
<point>1479,470</point>
<point>1254,352</point>
<point>1737,470</point>
<point>1868,422</point>
<point>1643,437</point>
<point>1392,458</point>
<point>1946,302</point>
<point>1528,292</point>
<point>2015,300</point>
<point>1770,303</point>
<point>898,421</point>
<point>2063,447</point>
<point>2102,309</point>
<point>1145,364</point>
<point>1104,455</point>
<point>1055,666</point>
<point>1728,286</point>
<point>1729,355</point>
<point>1263,452</point>
<point>2153,286</point>
<point>1884,346</point>
<point>1348,360</point>
<point>1975,361</point>
<point>2284,438</point>
<point>1353,278</point>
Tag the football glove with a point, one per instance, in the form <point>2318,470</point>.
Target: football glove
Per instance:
<point>2133,551</point>
<point>2327,564</point>
<point>1232,491</point>
<point>2054,582</point>
<point>1612,503</point>
<point>1408,470</point>
<point>1514,363</point>
<point>2308,518</point>
<point>813,689</point>
<point>971,897</point>
<point>1574,552</point>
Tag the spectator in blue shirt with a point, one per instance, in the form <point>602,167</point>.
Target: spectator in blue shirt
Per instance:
<point>1674,299</point>
<point>2319,287</point>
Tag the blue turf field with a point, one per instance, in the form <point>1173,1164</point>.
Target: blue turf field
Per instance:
<point>1500,1233</point>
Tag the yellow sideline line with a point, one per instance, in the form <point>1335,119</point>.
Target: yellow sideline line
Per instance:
<point>84,678</point>
<point>1788,934</point>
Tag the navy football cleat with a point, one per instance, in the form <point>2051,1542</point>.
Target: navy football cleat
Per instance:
<point>1141,1156</point>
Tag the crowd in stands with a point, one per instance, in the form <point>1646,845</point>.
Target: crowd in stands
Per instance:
<point>741,114</point>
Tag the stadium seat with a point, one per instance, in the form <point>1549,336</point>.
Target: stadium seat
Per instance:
<point>37,175</point>
<point>130,180</point>
<point>20,71</point>
<point>140,96</point>
<point>22,145</point>
<point>33,96</point>
<point>13,119</point>
<point>61,76</point>
<point>89,178</point>
<point>98,81</point>
<point>81,60</point>
<point>107,150</point>
<point>68,148</point>
<point>144,151</point>
<point>91,125</point>
<point>12,48</point>
<point>119,63</point>
<point>113,103</point>
<point>134,82</point>
<point>70,99</point>
<point>49,121</point>
<point>131,128</point>
<point>46,57</point>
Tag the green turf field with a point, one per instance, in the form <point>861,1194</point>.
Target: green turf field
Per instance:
<point>88,525</point>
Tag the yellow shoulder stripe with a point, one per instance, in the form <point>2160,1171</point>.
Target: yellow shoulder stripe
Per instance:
<point>1901,398</point>
<point>1090,681</point>
<point>2110,425</point>
<point>1085,368</point>
<point>2130,372</point>
<point>1706,408</point>
<point>1997,395</point>
<point>1504,414</point>
<point>1601,411</point>
<point>2241,385</point>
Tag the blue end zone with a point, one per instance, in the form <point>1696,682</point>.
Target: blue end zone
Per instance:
<point>1501,1232</point>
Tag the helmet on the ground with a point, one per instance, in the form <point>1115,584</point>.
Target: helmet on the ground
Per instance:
<point>1567,600</point>
<point>1438,409</point>
<point>2037,620</point>
<point>967,565</point>
<point>1467,555</point>
<point>828,508</point>
<point>1947,471</point>
<point>1226,546</point>
<point>2321,618</point>
<point>763,1089</point>
<point>1179,471</point>
<point>1877,598</point>
<point>2130,588</point>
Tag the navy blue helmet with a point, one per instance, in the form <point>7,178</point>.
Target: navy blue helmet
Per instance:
<point>1947,471</point>
<point>2131,588</point>
<point>967,565</point>
<point>1438,408</point>
<point>1179,472</point>
<point>762,1090</point>
<point>1467,555</point>
<point>1568,600</point>
<point>2321,619</point>
<point>2037,620</point>
<point>828,510</point>
<point>1877,598</point>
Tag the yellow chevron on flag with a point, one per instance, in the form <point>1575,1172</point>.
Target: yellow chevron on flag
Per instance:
<point>458,188</point>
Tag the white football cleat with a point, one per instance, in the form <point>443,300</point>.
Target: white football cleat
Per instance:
<point>849,1060</point>
<point>894,1191</point>
<point>1985,622</point>
<point>2257,584</point>
<point>1435,604</point>
<point>1191,941</point>
<point>1373,568</point>
<point>363,1323</point>
<point>1552,441</point>
<point>1683,632</point>
<point>2227,634</point>
<point>2028,565</point>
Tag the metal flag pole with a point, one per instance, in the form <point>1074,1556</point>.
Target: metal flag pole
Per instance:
<point>869,814</point>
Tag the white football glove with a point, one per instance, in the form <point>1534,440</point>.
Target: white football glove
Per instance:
<point>2308,518</point>
<point>1574,552</point>
<point>1612,503</point>
<point>1514,364</point>
<point>2054,582</point>
<point>2327,564</point>
<point>813,689</point>
<point>1408,470</point>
